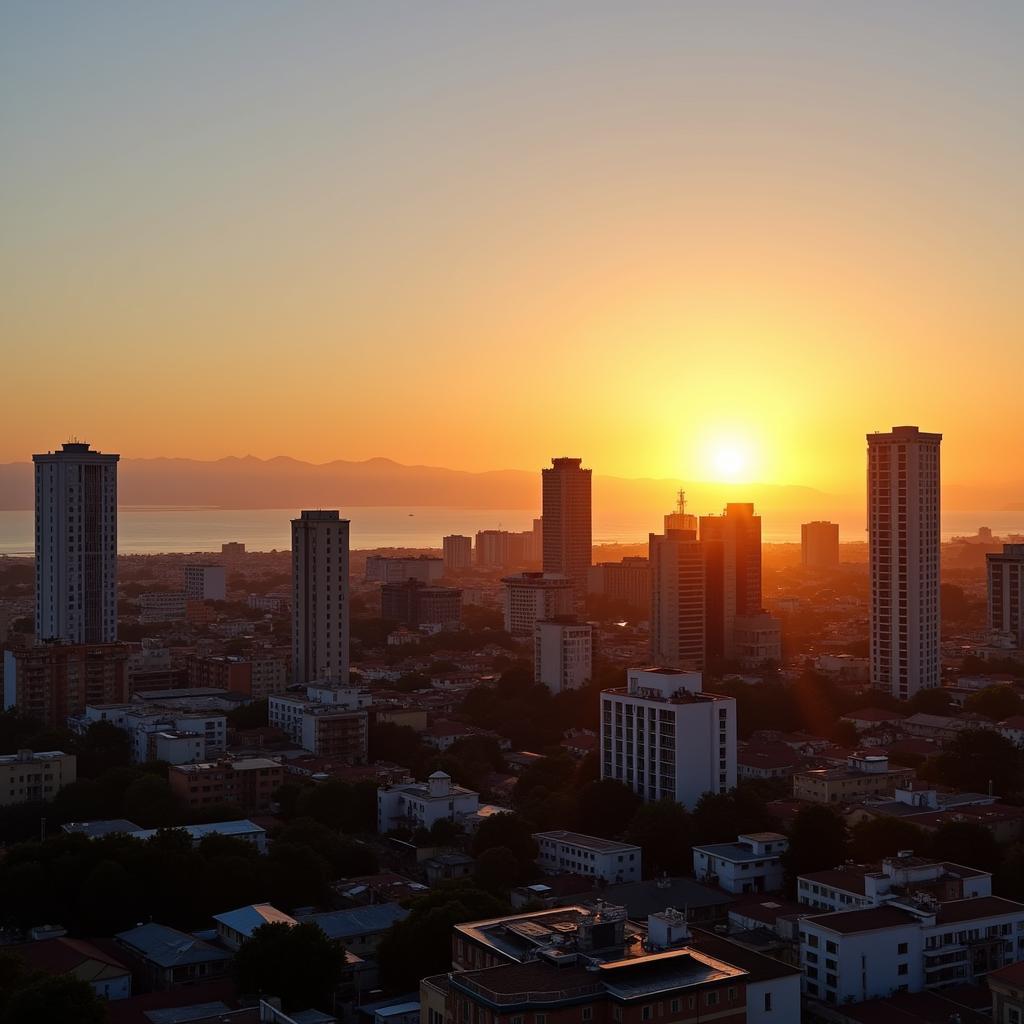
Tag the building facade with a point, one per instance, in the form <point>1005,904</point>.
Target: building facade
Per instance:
<point>752,864</point>
<point>327,721</point>
<point>559,852</point>
<point>320,602</point>
<point>563,654</point>
<point>205,583</point>
<point>421,804</point>
<point>677,602</point>
<point>413,603</point>
<point>903,557</point>
<point>665,738</point>
<point>1005,574</point>
<point>628,580</point>
<point>457,553</point>
<point>819,545</point>
<point>27,777</point>
<point>384,569</point>
<point>76,545</point>
<point>532,597</point>
<point>567,524</point>
<point>248,782</point>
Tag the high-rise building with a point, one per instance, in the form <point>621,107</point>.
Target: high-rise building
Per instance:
<point>680,519</point>
<point>562,654</point>
<point>385,569</point>
<point>732,575</point>
<point>819,545</point>
<point>76,545</point>
<point>677,599</point>
<point>903,553</point>
<point>458,552</point>
<point>665,738</point>
<point>1006,593</point>
<point>531,597</point>
<point>567,529</point>
<point>413,603</point>
<point>628,580</point>
<point>320,606</point>
<point>502,549</point>
<point>205,583</point>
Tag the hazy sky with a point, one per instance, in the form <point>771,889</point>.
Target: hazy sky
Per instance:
<point>677,239</point>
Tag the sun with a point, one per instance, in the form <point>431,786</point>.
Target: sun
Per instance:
<point>729,461</point>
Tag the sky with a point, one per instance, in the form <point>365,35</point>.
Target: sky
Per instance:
<point>700,240</point>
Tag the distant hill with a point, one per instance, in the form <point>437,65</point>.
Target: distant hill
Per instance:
<point>288,483</point>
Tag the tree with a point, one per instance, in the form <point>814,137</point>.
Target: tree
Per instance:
<point>62,997</point>
<point>663,830</point>
<point>345,857</point>
<point>875,838</point>
<point>104,746</point>
<point>967,843</point>
<point>606,808</point>
<point>976,760</point>
<point>108,901</point>
<point>930,702</point>
<point>995,702</point>
<point>299,876</point>
<point>249,716</point>
<point>296,963</point>
<point>150,802</point>
<point>497,870</point>
<point>510,832</point>
<point>817,840</point>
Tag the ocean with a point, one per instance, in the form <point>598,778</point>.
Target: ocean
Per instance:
<point>151,530</point>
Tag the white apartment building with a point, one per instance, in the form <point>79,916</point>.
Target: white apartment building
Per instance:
<point>666,739</point>
<point>26,777</point>
<point>205,583</point>
<point>457,552</point>
<point>200,734</point>
<point>320,586</point>
<point>76,545</point>
<point>752,864</point>
<point>328,721</point>
<point>611,861</point>
<point>532,597</point>
<point>903,552</point>
<point>420,804</point>
<point>912,944</point>
<point>676,561</point>
<point>563,654</point>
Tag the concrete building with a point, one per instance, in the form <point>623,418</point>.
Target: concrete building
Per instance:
<point>502,549</point>
<point>171,959</point>
<point>413,603</point>
<point>205,583</point>
<point>420,804</point>
<point>819,545</point>
<point>563,654</point>
<point>161,606</point>
<point>383,569</point>
<point>567,527</point>
<point>758,639</point>
<point>158,732</point>
<point>320,608</point>
<point>1007,987</point>
<point>532,597</point>
<point>732,575</point>
<point>248,782</point>
<point>559,852</point>
<point>328,721</point>
<point>864,775</point>
<point>257,677</point>
<point>458,553</point>
<point>628,580</point>
<point>666,739</point>
<point>27,777</point>
<point>752,864</point>
<point>55,681</point>
<point>903,557</point>
<point>677,602</point>
<point>1006,593</point>
<point>680,519</point>
<point>76,545</point>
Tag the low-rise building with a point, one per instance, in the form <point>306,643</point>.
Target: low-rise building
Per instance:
<point>247,782</point>
<point>606,859</point>
<point>236,926</point>
<point>758,639</point>
<point>328,721</point>
<point>161,606</point>
<point>1007,987</point>
<point>106,975</point>
<point>172,959</point>
<point>27,776</point>
<point>863,776</point>
<point>563,654</point>
<point>421,804</point>
<point>751,864</point>
<point>256,677</point>
<point>186,735</point>
<point>360,929</point>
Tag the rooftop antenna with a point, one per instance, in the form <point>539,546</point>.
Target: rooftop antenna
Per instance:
<point>681,501</point>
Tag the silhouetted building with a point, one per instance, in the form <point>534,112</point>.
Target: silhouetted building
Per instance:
<point>903,552</point>
<point>413,603</point>
<point>628,581</point>
<point>76,545</point>
<point>458,552</point>
<point>680,519</point>
<point>1006,593</point>
<point>732,575</point>
<point>677,599</point>
<point>502,549</point>
<point>384,569</point>
<point>567,526</point>
<point>819,545</point>
<point>320,607</point>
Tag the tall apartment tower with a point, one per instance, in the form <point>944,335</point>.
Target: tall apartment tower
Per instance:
<point>458,552</point>
<point>819,545</point>
<point>903,552</point>
<point>676,561</point>
<point>732,574</point>
<point>566,518</point>
<point>76,545</point>
<point>1006,593</point>
<point>320,607</point>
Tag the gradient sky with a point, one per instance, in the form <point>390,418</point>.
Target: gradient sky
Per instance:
<point>679,239</point>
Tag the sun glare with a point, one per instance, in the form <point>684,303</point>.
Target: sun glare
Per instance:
<point>728,461</point>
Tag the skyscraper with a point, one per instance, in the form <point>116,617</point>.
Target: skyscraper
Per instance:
<point>819,545</point>
<point>320,607</point>
<point>458,552</point>
<point>76,545</point>
<point>903,552</point>
<point>566,518</point>
<point>677,599</point>
<point>732,575</point>
<point>1006,593</point>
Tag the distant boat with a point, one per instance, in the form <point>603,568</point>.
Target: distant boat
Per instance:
<point>412,513</point>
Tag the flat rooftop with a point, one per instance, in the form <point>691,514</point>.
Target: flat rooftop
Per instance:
<point>585,842</point>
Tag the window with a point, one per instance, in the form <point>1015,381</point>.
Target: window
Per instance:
<point>767,1002</point>
<point>588,1013</point>
<point>902,969</point>
<point>711,999</point>
<point>901,949</point>
<point>645,1013</point>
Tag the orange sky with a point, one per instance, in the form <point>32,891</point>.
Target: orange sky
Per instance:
<point>679,240</point>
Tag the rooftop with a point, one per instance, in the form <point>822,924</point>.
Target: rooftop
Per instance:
<point>245,920</point>
<point>167,947</point>
<point>342,924</point>
<point>594,843</point>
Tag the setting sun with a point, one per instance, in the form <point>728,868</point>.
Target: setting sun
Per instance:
<point>729,462</point>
